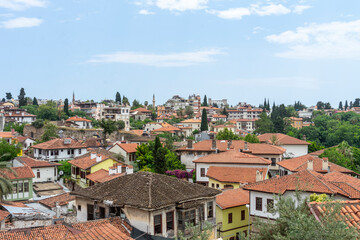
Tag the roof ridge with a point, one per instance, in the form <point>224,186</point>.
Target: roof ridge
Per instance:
<point>320,181</point>
<point>150,190</point>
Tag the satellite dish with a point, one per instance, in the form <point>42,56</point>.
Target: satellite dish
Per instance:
<point>61,173</point>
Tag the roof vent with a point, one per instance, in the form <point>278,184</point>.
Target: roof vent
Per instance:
<point>67,141</point>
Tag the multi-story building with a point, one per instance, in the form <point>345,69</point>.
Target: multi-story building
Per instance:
<point>117,113</point>
<point>220,103</point>
<point>195,102</point>
<point>244,113</point>
<point>296,122</point>
<point>18,115</point>
<point>176,103</point>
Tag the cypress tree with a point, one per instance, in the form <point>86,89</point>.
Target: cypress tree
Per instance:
<point>351,104</point>
<point>118,98</point>
<point>204,122</point>
<point>35,102</point>
<point>268,104</point>
<point>21,98</point>
<point>340,105</point>
<point>205,104</point>
<point>3,100</point>
<point>66,106</point>
<point>265,104</point>
<point>159,156</point>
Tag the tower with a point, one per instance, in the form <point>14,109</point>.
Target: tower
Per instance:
<point>73,101</point>
<point>154,101</point>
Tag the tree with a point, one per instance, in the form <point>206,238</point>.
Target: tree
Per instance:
<point>224,112</point>
<point>226,134</point>
<point>6,186</point>
<point>346,105</point>
<point>66,168</point>
<point>159,157</point>
<point>251,138</point>
<point>263,124</point>
<point>35,102</point>
<point>8,151</point>
<point>340,105</point>
<point>49,132</point>
<point>3,100</point>
<point>66,106</point>
<point>48,111</point>
<point>21,98</point>
<point>120,124</point>
<point>189,111</point>
<point>201,231</point>
<point>8,96</point>
<point>118,98</point>
<point>125,101</point>
<point>351,104</point>
<point>136,104</point>
<point>327,105</point>
<point>38,123</point>
<point>18,127</point>
<point>356,102</point>
<point>205,103</point>
<point>109,126</point>
<point>204,121</point>
<point>320,105</point>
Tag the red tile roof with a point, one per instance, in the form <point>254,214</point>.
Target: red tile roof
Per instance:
<point>77,119</point>
<point>3,215</point>
<point>20,173</point>
<point>31,162</point>
<point>300,163</point>
<point>6,135</point>
<point>167,129</point>
<point>85,161</point>
<point>142,110</point>
<point>234,157</point>
<point>128,147</point>
<point>102,175</point>
<point>233,198</point>
<point>222,145</point>
<point>58,143</point>
<point>62,199</point>
<point>282,138</point>
<point>235,174</point>
<point>191,121</point>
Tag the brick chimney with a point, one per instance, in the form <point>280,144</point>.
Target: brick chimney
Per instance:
<point>213,144</point>
<point>310,165</point>
<point>325,164</point>
<point>229,144</point>
<point>189,144</point>
<point>259,175</point>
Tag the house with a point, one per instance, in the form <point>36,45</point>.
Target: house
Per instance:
<point>234,177</point>
<point>219,128</point>
<point>244,113</point>
<point>22,180</point>
<point>116,113</point>
<point>194,151</point>
<point>195,124</point>
<point>103,175</point>
<point>320,165</point>
<point>231,158</point>
<point>232,214</point>
<point>89,163</point>
<point>25,142</point>
<point>151,126</point>
<point>219,103</point>
<point>65,201</point>
<point>245,125</point>
<point>110,229</point>
<point>294,147</point>
<point>296,122</point>
<point>141,114</point>
<point>126,150</point>
<point>43,171</point>
<point>18,115</point>
<point>59,149</point>
<point>9,137</point>
<point>153,203</point>
<point>80,122</point>
<point>262,194</point>
<point>173,131</point>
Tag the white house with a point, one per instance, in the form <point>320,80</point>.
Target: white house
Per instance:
<point>126,150</point>
<point>294,147</point>
<point>63,202</point>
<point>151,126</point>
<point>44,171</point>
<point>79,122</point>
<point>193,123</point>
<point>19,116</point>
<point>59,149</point>
<point>26,142</point>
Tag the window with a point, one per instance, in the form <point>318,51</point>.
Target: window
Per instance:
<point>82,174</point>
<point>202,172</point>
<point>212,185</point>
<point>79,207</point>
<point>259,204</point>
<point>217,186</point>
<point>270,204</point>
<point>20,187</point>
<point>38,174</point>
<point>26,187</point>
<point>72,151</point>
<point>157,224</point>
<point>230,218</point>
<point>68,151</point>
<point>169,221</point>
<point>190,216</point>
<point>273,161</point>
<point>14,187</point>
<point>210,209</point>
<point>56,152</point>
<point>54,171</point>
<point>242,215</point>
<point>79,151</point>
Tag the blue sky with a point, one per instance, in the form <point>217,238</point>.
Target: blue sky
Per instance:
<point>241,50</point>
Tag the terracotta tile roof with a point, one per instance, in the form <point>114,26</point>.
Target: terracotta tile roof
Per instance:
<point>92,142</point>
<point>26,114</point>
<point>349,212</point>
<point>128,147</point>
<point>3,215</point>
<point>6,135</point>
<point>218,116</point>
<point>191,121</point>
<point>137,132</point>
<point>245,120</point>
<point>233,198</point>
<point>21,139</point>
<point>300,163</point>
<point>21,173</point>
<point>318,153</point>
<point>234,157</point>
<point>62,199</point>
<point>31,162</point>
<point>77,119</point>
<point>167,129</point>
<point>112,229</point>
<point>85,161</point>
<point>58,143</point>
<point>221,145</point>
<point>102,175</point>
<point>142,110</point>
<point>282,138</point>
<point>341,177</point>
<point>146,190</point>
<point>235,174</point>
<point>307,181</point>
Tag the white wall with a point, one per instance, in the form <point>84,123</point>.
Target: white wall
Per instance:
<point>47,174</point>
<point>295,150</point>
<point>187,158</point>
<point>63,154</point>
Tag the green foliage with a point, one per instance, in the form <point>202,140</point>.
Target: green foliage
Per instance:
<point>8,96</point>
<point>251,138</point>
<point>118,98</point>
<point>32,109</point>
<point>18,127</point>
<point>6,185</point>
<point>159,157</point>
<point>136,104</point>
<point>219,122</point>
<point>38,123</point>
<point>48,112</point>
<point>264,124</point>
<point>295,222</point>
<point>314,146</point>
<point>138,124</point>
<point>35,102</point>
<point>204,121</point>
<point>189,111</point>
<point>299,106</point>
<point>65,167</point>
<point>319,198</point>
<point>8,151</point>
<point>224,112</point>
<point>21,98</point>
<point>120,124</point>
<point>109,126</point>
<point>226,134</point>
<point>172,161</point>
<point>78,113</point>
<point>50,131</point>
<point>66,106</point>
<point>125,101</point>
<point>196,232</point>
<point>205,103</point>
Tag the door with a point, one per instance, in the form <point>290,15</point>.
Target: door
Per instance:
<point>90,212</point>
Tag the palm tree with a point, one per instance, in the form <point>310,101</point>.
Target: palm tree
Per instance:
<point>6,185</point>
<point>274,140</point>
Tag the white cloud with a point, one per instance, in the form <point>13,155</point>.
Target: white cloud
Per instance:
<point>159,60</point>
<point>146,12</point>
<point>271,9</point>
<point>335,40</point>
<point>232,13</point>
<point>181,5</point>
<point>19,5</point>
<point>300,8</point>
<point>21,22</point>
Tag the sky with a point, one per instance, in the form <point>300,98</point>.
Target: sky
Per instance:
<point>240,50</point>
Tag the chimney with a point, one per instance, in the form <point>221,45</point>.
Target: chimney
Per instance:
<point>246,146</point>
<point>189,144</point>
<point>325,164</point>
<point>98,158</point>
<point>213,144</point>
<point>92,155</point>
<point>304,137</point>
<point>58,210</point>
<point>259,175</point>
<point>329,170</point>
<point>22,114</point>
<point>310,165</point>
<point>229,144</point>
